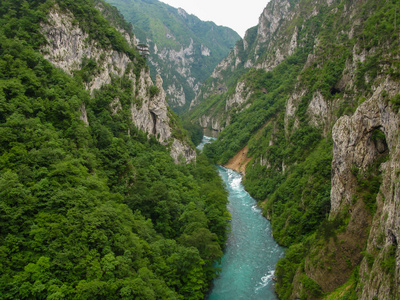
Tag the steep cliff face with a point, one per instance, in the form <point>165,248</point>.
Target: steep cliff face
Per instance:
<point>69,45</point>
<point>71,49</point>
<point>182,48</point>
<point>263,47</point>
<point>311,93</point>
<point>151,114</point>
<point>359,142</point>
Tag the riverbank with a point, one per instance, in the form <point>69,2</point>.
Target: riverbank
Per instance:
<point>239,162</point>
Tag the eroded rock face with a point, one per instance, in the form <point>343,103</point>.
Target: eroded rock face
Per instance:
<point>240,97</point>
<point>182,61</point>
<point>274,15</point>
<point>271,19</point>
<point>291,108</point>
<point>69,46</point>
<point>319,109</point>
<point>179,94</point>
<point>151,115</point>
<point>356,149</point>
<point>212,123</point>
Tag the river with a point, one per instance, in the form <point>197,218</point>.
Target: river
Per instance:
<point>251,253</point>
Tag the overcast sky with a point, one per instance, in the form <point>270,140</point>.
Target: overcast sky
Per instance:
<point>238,15</point>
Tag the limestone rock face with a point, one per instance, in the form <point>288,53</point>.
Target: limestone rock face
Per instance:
<point>355,148</point>
<point>319,110</point>
<point>152,116</point>
<point>222,66</point>
<point>182,60</point>
<point>212,123</point>
<point>205,51</point>
<point>360,118</point>
<point>69,46</point>
<point>352,147</point>
<point>291,107</point>
<point>245,55</point>
<point>241,95</point>
<point>217,122</point>
<point>271,18</point>
<point>179,94</point>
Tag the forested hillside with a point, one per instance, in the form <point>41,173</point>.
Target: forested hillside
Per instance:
<point>91,205</point>
<point>183,49</point>
<point>312,96</point>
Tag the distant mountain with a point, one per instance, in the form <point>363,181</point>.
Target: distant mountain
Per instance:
<point>183,49</point>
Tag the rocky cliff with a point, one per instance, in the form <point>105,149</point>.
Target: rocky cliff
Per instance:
<point>311,93</point>
<point>71,48</point>
<point>182,48</point>
<point>360,143</point>
<point>261,48</point>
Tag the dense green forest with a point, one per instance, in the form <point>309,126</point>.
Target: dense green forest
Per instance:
<point>290,170</point>
<point>99,211</point>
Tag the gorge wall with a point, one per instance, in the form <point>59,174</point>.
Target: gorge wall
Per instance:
<point>71,49</point>
<point>96,200</point>
<point>182,48</point>
<point>312,93</point>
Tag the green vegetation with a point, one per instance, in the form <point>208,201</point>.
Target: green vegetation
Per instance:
<point>99,211</point>
<point>98,28</point>
<point>290,170</point>
<point>194,130</point>
<point>346,291</point>
<point>165,27</point>
<point>389,263</point>
<point>286,269</point>
<point>154,91</point>
<point>311,288</point>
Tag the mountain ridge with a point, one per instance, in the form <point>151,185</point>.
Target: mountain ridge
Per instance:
<point>183,48</point>
<point>312,92</point>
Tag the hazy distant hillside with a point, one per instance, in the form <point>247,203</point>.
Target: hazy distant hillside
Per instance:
<point>183,49</point>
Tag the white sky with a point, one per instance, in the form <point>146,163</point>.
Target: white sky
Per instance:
<point>239,15</point>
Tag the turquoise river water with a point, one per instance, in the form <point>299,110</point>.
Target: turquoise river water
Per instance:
<point>251,253</point>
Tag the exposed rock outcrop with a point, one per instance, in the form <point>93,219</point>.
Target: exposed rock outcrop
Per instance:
<point>69,47</point>
<point>270,20</point>
<point>211,122</point>
<point>151,115</point>
<point>345,87</point>
<point>241,96</point>
<point>355,148</point>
